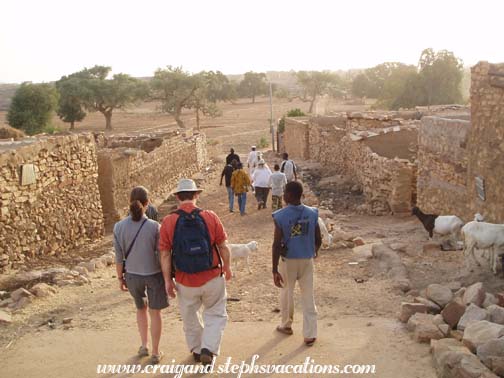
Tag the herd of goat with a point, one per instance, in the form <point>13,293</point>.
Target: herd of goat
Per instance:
<point>475,234</point>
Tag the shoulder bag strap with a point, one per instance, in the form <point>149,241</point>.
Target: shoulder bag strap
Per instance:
<point>133,242</point>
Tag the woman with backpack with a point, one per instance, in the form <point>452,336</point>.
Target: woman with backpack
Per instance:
<point>138,267</point>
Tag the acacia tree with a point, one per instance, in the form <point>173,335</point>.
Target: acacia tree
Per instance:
<point>71,100</point>
<point>32,106</point>
<point>175,89</point>
<point>316,83</point>
<point>105,95</point>
<point>252,85</point>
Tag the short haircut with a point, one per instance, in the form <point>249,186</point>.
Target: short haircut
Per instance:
<point>239,165</point>
<point>276,167</point>
<point>285,155</point>
<point>185,196</point>
<point>295,189</point>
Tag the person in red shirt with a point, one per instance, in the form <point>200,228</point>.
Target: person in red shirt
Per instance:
<point>205,288</point>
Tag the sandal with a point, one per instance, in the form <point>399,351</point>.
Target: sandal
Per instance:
<point>143,351</point>
<point>284,330</point>
<point>156,358</point>
<point>310,342</point>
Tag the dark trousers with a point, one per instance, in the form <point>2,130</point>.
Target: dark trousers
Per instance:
<point>261,195</point>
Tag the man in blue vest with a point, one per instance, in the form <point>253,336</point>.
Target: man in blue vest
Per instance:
<point>296,243</point>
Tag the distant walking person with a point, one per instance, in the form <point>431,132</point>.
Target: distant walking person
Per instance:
<point>296,243</point>
<point>139,271</point>
<point>288,167</point>
<point>260,181</point>
<point>195,242</point>
<point>227,172</point>
<point>277,184</point>
<point>232,156</point>
<point>251,160</point>
<point>240,183</point>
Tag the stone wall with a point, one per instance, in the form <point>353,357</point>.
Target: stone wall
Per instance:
<point>456,156</point>
<point>486,140</point>
<point>336,142</point>
<point>49,200</point>
<point>442,166</point>
<point>157,162</point>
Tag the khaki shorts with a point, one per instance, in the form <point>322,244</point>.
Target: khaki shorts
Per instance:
<point>150,288</point>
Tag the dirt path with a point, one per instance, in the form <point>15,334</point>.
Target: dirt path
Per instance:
<point>357,321</point>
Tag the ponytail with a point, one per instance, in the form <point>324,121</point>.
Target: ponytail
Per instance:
<point>136,210</point>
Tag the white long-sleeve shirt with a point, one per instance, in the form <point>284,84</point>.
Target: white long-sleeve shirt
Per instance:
<point>261,176</point>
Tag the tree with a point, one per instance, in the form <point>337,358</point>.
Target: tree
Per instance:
<point>361,86</point>
<point>208,91</point>
<point>71,100</point>
<point>32,106</point>
<point>400,90</point>
<point>440,77</point>
<point>105,95</point>
<point>316,83</point>
<point>252,85</point>
<point>175,89</point>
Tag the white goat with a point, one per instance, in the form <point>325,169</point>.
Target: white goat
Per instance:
<point>482,235</point>
<point>443,225</point>
<point>327,238</point>
<point>242,251</point>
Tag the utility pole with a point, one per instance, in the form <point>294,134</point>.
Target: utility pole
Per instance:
<point>272,128</point>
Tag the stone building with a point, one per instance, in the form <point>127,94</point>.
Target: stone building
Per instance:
<point>461,162</point>
<point>352,144</point>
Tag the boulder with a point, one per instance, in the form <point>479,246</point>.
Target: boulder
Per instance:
<point>453,360</point>
<point>409,309</point>
<point>363,252</point>
<point>491,354</point>
<point>16,295</point>
<point>452,313</point>
<point>438,319</point>
<point>460,293</point>
<point>4,295</point>
<point>399,247</point>
<point>444,328</point>
<point>474,294</point>
<point>423,328</point>
<point>472,314</point>
<point>43,290</point>
<point>457,335</point>
<point>490,299</point>
<point>439,294</point>
<point>107,259</point>
<point>432,308</point>
<point>480,332</point>
<point>496,314</point>
<point>5,318</point>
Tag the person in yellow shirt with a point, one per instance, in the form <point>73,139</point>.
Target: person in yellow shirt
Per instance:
<point>240,183</point>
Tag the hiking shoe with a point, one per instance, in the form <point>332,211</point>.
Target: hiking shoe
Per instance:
<point>196,356</point>
<point>206,356</point>
<point>143,351</point>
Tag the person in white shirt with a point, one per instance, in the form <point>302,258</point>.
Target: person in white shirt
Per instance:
<point>251,161</point>
<point>260,180</point>
<point>277,184</point>
<point>289,168</point>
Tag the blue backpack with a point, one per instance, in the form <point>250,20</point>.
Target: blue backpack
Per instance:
<point>192,250</point>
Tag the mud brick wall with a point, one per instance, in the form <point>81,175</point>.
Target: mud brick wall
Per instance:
<point>60,209</point>
<point>442,166</point>
<point>157,165</point>
<point>486,140</point>
<point>296,138</point>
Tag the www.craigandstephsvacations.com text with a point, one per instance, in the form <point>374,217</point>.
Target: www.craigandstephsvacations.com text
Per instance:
<point>309,366</point>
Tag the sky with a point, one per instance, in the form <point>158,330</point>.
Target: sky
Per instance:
<point>42,40</point>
